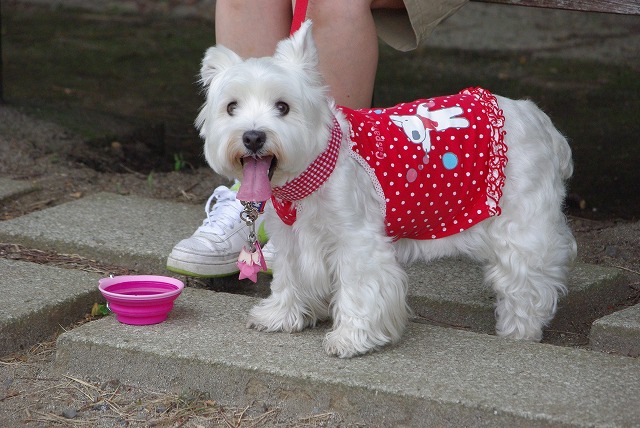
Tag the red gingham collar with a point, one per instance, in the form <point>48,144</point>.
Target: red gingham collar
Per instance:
<point>316,173</point>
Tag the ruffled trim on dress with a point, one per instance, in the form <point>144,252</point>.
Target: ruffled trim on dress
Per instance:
<point>498,150</point>
<point>362,162</point>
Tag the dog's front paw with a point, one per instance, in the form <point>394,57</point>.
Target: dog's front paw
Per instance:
<point>271,315</point>
<point>344,342</point>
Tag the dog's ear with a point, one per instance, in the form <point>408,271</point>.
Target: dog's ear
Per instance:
<point>300,48</point>
<point>215,60</point>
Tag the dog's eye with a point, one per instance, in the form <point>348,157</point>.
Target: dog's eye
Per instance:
<point>231,107</point>
<point>282,107</point>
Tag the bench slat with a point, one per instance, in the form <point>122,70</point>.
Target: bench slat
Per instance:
<point>626,7</point>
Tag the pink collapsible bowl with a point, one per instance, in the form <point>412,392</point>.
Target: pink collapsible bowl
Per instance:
<point>140,299</point>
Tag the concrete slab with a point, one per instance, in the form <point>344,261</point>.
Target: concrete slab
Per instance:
<point>38,301</point>
<point>450,291</point>
<point>139,233</point>
<point>433,377</point>
<point>13,188</point>
<point>127,231</point>
<point>618,332</point>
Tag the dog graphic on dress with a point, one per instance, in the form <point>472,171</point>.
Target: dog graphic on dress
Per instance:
<point>417,127</point>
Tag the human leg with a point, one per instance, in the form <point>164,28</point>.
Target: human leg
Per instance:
<point>347,41</point>
<point>252,28</point>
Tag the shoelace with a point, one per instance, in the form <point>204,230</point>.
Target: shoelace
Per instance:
<point>225,214</point>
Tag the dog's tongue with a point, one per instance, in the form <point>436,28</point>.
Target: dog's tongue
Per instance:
<point>255,185</point>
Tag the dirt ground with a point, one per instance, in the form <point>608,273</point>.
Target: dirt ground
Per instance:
<point>66,165</point>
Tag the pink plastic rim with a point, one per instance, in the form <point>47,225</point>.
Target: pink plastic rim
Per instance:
<point>140,299</point>
<point>140,287</point>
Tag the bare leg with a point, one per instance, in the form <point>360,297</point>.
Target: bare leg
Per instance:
<point>252,28</point>
<point>347,41</point>
<point>345,34</point>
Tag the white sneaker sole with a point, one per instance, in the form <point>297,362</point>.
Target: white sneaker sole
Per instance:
<point>203,270</point>
<point>207,270</point>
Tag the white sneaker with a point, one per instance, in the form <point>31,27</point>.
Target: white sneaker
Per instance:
<point>213,249</point>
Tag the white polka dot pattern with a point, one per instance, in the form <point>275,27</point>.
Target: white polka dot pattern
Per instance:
<point>439,163</point>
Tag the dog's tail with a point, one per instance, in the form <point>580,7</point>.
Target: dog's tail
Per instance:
<point>563,150</point>
<point>558,144</point>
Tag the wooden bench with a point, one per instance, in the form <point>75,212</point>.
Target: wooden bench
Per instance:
<point>624,7</point>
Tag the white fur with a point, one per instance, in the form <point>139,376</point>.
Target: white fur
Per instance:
<point>336,262</point>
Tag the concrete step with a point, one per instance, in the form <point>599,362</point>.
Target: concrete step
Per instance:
<point>434,377</point>
<point>125,231</point>
<point>618,333</point>
<point>139,233</point>
<point>39,301</point>
<point>451,292</point>
<point>14,188</point>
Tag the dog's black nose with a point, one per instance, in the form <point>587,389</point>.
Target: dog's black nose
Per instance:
<point>254,140</point>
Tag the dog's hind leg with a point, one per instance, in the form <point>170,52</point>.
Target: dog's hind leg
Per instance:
<point>530,247</point>
<point>369,307</point>
<point>528,272</point>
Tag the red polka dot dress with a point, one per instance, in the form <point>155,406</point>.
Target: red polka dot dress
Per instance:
<point>438,163</point>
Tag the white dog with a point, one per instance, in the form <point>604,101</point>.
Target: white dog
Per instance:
<point>341,229</point>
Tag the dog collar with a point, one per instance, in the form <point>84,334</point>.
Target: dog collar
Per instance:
<point>309,181</point>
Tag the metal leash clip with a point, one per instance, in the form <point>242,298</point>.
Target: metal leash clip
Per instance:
<point>249,215</point>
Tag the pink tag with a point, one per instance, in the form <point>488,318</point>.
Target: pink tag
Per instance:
<point>251,263</point>
<point>261,260</point>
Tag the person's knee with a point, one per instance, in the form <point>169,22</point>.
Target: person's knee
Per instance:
<point>232,5</point>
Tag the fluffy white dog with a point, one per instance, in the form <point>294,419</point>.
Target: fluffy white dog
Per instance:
<point>486,180</point>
